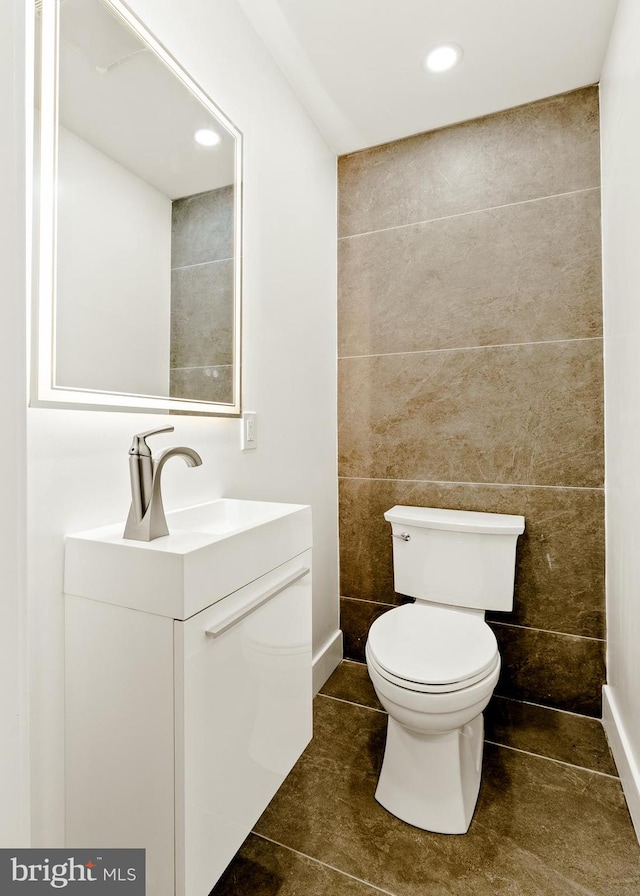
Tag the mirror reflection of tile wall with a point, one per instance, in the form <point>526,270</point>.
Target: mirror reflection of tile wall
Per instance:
<point>202,296</point>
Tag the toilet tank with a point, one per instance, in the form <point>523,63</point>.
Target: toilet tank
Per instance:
<point>455,557</point>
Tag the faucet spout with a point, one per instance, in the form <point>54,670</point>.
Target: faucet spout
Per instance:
<point>189,456</point>
<point>146,520</point>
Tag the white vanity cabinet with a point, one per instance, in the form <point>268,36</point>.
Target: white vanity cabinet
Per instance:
<point>180,731</point>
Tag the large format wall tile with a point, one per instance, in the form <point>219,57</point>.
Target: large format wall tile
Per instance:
<point>541,149</point>
<point>560,556</point>
<point>563,736</point>
<point>527,414</point>
<point>202,315</point>
<point>202,383</point>
<point>356,618</point>
<point>524,273</point>
<point>562,671</point>
<point>202,228</point>
<point>471,371</point>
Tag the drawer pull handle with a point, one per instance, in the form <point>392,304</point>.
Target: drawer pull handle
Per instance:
<point>243,611</point>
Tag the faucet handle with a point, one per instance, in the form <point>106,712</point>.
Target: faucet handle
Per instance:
<point>139,445</point>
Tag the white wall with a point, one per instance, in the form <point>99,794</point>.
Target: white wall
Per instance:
<point>620,127</point>
<point>13,666</point>
<point>113,321</point>
<point>78,459</point>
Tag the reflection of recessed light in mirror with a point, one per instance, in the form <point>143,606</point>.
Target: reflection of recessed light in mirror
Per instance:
<point>207,137</point>
<point>442,58</point>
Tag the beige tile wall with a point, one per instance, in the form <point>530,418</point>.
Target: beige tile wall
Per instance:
<point>470,346</point>
<point>202,283</point>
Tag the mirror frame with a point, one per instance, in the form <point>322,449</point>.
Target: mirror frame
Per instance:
<point>44,391</point>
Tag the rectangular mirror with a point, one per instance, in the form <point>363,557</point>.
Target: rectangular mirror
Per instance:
<point>138,195</point>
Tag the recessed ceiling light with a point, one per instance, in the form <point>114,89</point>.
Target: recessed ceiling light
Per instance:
<point>442,58</point>
<point>207,137</point>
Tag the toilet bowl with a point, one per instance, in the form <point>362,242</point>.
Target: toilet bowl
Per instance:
<point>435,663</point>
<point>435,696</point>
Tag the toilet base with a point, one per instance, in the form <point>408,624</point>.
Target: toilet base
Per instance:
<point>432,781</point>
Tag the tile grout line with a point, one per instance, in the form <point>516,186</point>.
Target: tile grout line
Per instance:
<point>567,712</point>
<point>528,628</point>
<point>352,703</point>
<point>470,348</point>
<point>549,631</point>
<point>347,659</point>
<point>377,603</point>
<point>324,864</point>
<point>580,768</point>
<point>474,211</point>
<point>202,367</point>
<point>577,488</point>
<point>494,743</point>
<point>200,264</point>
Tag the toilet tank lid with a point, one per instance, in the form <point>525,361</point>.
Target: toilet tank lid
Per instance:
<point>456,520</point>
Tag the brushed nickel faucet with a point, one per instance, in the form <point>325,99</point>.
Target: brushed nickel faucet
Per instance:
<point>146,520</point>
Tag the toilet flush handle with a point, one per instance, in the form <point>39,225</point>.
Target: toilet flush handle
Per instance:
<point>403,535</point>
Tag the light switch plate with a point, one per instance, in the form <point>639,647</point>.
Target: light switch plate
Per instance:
<point>249,433</point>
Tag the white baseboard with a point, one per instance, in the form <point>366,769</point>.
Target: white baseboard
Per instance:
<point>326,660</point>
<point>627,763</point>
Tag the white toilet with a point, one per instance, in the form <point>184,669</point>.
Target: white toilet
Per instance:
<point>434,664</point>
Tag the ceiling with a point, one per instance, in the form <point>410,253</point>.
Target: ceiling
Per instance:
<point>118,96</point>
<point>356,65</point>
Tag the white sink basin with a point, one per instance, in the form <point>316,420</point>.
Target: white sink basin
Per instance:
<point>212,550</point>
<point>226,516</point>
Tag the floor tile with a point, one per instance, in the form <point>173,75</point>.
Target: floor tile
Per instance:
<point>351,682</point>
<point>540,829</point>
<point>554,734</point>
<point>263,868</point>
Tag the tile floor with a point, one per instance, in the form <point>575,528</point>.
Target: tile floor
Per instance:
<point>542,827</point>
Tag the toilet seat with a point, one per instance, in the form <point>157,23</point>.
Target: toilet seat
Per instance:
<point>431,649</point>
